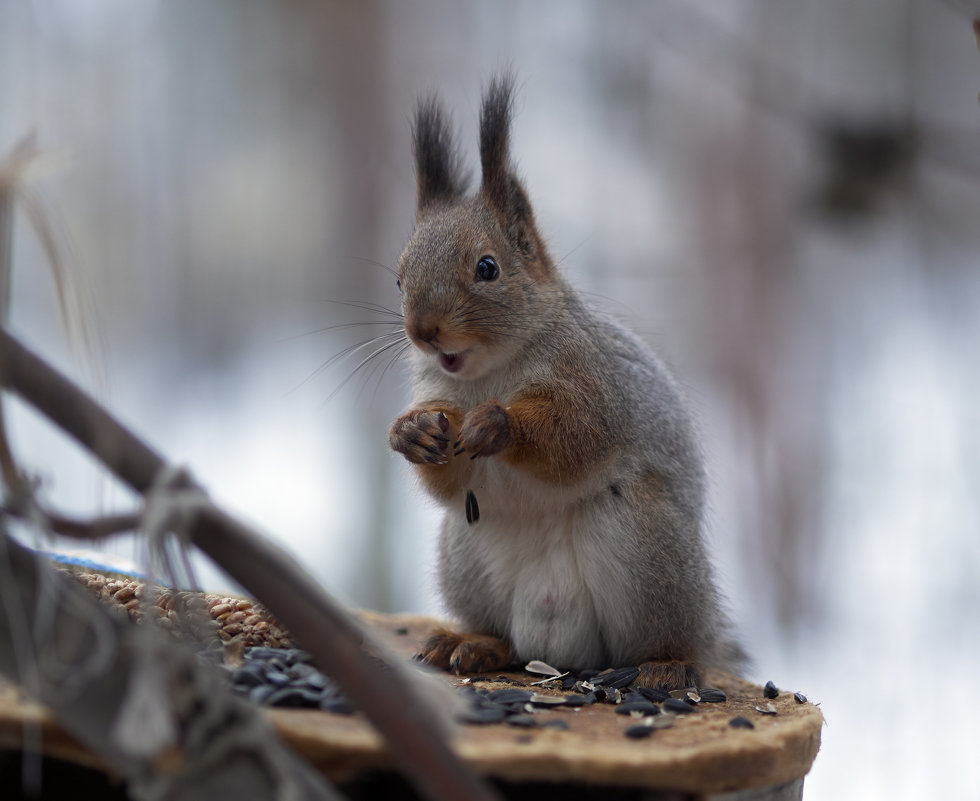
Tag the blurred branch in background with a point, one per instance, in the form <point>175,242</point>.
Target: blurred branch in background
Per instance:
<point>147,708</point>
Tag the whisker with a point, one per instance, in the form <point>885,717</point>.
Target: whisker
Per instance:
<point>367,305</point>
<point>569,253</point>
<point>384,370</point>
<point>336,327</point>
<point>376,263</point>
<point>357,369</point>
<point>351,349</point>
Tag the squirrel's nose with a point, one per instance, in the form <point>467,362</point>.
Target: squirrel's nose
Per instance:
<point>424,331</point>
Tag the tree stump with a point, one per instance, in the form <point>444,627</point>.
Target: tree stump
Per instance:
<point>702,756</point>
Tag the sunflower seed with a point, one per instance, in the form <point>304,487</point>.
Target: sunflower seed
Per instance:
<point>482,715</point>
<point>768,709</point>
<point>525,721</point>
<point>800,698</point>
<point>638,731</point>
<point>548,700</point>
<point>653,694</point>
<point>248,676</point>
<point>294,697</point>
<point>609,695</point>
<point>770,690</point>
<point>616,678</point>
<point>553,724</point>
<point>277,678</point>
<point>315,681</point>
<point>262,653</point>
<point>472,508</point>
<point>577,700</point>
<point>260,693</point>
<point>510,695</point>
<point>543,669</point>
<point>677,706</point>
<point>639,707</point>
<point>709,695</point>
<point>741,723</point>
<point>688,696</point>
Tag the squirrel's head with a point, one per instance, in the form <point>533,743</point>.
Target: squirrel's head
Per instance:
<point>475,275</point>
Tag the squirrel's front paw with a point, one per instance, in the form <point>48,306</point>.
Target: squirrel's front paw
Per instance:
<point>422,436</point>
<point>486,430</point>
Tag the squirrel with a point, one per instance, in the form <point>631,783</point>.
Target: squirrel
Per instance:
<point>557,442</point>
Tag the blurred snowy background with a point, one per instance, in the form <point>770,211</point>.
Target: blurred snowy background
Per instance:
<point>783,197</point>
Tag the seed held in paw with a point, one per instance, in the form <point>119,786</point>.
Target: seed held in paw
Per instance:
<point>472,508</point>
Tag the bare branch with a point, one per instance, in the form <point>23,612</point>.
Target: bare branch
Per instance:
<point>337,644</point>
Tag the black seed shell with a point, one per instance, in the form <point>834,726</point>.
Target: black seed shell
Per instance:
<point>677,706</point>
<point>770,691</point>
<point>617,678</point>
<point>482,715</point>
<point>510,695</point>
<point>641,705</point>
<point>472,508</point>
<point>741,723</point>
<point>638,731</point>
<point>653,694</point>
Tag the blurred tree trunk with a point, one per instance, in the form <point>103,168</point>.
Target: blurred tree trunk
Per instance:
<point>343,78</point>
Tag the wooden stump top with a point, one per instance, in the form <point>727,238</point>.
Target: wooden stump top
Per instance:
<point>700,754</point>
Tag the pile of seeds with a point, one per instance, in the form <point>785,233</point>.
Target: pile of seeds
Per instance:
<point>285,677</point>
<point>653,708</point>
<point>204,613</point>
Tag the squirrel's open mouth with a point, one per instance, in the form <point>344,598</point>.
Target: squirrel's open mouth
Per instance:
<point>452,362</point>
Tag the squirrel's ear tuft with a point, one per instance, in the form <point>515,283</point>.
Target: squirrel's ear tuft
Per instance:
<point>501,188</point>
<point>438,168</point>
<point>495,116</point>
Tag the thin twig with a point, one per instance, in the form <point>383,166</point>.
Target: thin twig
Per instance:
<point>96,528</point>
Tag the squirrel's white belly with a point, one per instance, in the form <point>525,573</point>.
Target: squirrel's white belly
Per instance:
<point>546,570</point>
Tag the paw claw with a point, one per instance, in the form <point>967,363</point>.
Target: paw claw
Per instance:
<point>421,436</point>
<point>487,429</point>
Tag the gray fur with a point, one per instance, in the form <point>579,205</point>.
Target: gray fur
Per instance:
<point>598,558</point>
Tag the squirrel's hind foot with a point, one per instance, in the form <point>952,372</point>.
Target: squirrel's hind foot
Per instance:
<point>668,675</point>
<point>465,653</point>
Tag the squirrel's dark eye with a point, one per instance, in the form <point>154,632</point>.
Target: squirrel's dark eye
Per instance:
<point>487,269</point>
